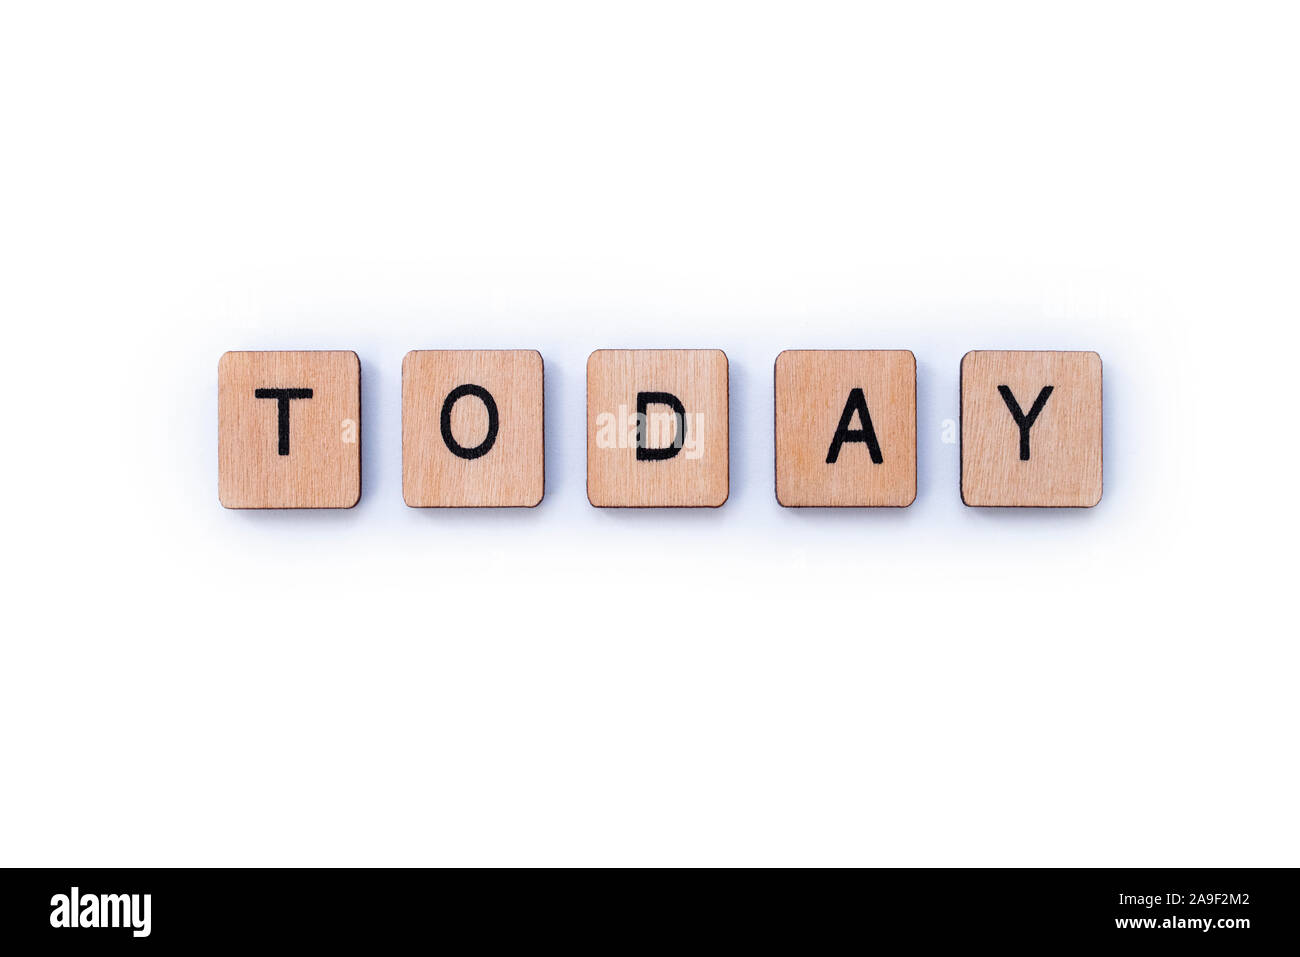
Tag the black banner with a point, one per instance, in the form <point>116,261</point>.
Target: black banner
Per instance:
<point>1223,910</point>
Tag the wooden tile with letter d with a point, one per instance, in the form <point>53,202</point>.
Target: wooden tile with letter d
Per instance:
<point>289,429</point>
<point>473,428</point>
<point>657,431</point>
<point>1031,429</point>
<point>846,428</point>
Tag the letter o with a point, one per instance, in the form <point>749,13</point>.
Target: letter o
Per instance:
<point>493,421</point>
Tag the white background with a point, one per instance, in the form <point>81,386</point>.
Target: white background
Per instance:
<point>938,685</point>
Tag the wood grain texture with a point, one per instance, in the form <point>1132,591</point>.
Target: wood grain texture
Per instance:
<point>698,476</point>
<point>511,473</point>
<point>812,389</point>
<point>323,466</point>
<point>1064,468</point>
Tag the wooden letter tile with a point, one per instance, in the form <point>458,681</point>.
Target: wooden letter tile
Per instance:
<point>472,428</point>
<point>657,428</point>
<point>1031,429</point>
<point>289,429</point>
<point>846,428</point>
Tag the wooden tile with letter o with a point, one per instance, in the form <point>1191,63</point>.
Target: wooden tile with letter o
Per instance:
<point>472,428</point>
<point>657,431</point>
<point>846,428</point>
<point>1031,429</point>
<point>288,429</point>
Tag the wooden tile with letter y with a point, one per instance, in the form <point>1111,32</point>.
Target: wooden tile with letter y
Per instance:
<point>1031,429</point>
<point>289,429</point>
<point>845,428</point>
<point>657,431</point>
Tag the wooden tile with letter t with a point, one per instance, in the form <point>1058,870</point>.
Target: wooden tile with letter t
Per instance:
<point>288,429</point>
<point>1031,429</point>
<point>846,428</point>
<point>657,428</point>
<point>472,428</point>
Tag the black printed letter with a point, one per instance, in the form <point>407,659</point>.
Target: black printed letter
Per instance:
<point>644,399</point>
<point>486,445</point>
<point>857,403</point>
<point>1022,420</point>
<point>282,397</point>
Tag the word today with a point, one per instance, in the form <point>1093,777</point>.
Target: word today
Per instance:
<point>658,429</point>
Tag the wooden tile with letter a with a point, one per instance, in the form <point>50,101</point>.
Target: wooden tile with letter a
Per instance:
<point>1031,429</point>
<point>289,429</point>
<point>657,428</point>
<point>846,428</point>
<point>472,428</point>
